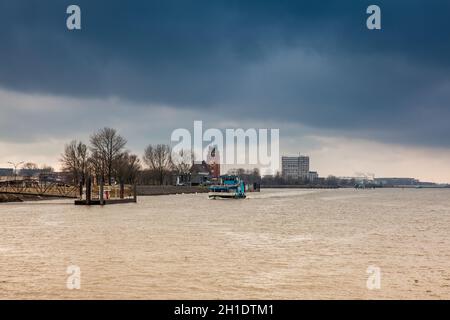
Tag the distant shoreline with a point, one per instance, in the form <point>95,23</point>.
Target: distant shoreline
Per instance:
<point>149,190</point>
<point>297,187</point>
<point>348,187</point>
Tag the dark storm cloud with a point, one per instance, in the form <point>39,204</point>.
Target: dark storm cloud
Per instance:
<point>310,62</point>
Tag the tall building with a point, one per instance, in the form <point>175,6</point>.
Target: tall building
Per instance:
<point>295,167</point>
<point>313,176</point>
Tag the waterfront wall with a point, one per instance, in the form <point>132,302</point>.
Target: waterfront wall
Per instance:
<point>12,197</point>
<point>146,190</point>
<point>294,186</point>
<point>9,198</point>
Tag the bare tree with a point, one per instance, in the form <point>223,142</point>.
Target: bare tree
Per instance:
<point>75,160</point>
<point>30,166</point>
<point>97,166</point>
<point>127,167</point>
<point>182,161</point>
<point>159,159</point>
<point>107,146</point>
<point>47,169</point>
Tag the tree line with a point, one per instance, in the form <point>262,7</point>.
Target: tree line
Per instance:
<point>106,158</point>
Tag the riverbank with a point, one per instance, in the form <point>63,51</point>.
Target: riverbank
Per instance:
<point>293,186</point>
<point>298,186</point>
<point>144,190</point>
<point>141,191</point>
<point>10,197</point>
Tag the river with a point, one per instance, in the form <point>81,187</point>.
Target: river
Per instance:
<point>277,244</point>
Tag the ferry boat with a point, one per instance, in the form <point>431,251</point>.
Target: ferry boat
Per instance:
<point>231,187</point>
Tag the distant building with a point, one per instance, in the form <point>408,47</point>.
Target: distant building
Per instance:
<point>213,161</point>
<point>56,177</point>
<point>313,176</point>
<point>397,181</point>
<point>295,167</point>
<point>200,174</point>
<point>6,172</point>
<point>30,173</point>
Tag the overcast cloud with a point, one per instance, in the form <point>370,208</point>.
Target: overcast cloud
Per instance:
<point>309,67</point>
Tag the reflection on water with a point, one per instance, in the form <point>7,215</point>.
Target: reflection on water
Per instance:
<point>287,244</point>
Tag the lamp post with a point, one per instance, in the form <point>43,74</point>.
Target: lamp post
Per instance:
<point>15,165</point>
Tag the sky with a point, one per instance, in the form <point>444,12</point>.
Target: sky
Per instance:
<point>355,100</point>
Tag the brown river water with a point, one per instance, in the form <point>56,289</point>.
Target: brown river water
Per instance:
<point>277,244</point>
